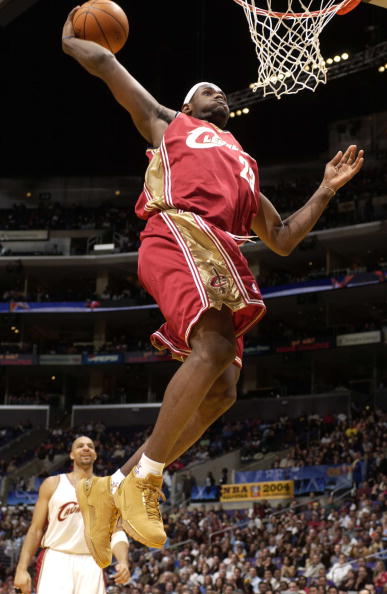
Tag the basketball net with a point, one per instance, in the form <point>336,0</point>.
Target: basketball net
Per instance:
<point>287,45</point>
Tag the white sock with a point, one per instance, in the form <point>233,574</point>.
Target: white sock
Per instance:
<point>147,466</point>
<point>116,480</point>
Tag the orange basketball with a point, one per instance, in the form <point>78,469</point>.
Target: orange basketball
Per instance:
<point>102,21</point>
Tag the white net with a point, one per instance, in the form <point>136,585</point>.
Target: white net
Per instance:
<point>287,44</point>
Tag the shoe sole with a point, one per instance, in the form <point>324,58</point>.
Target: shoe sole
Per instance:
<point>82,500</point>
<point>133,533</point>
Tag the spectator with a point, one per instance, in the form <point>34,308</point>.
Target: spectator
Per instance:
<point>339,570</point>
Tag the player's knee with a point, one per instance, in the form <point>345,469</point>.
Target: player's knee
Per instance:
<point>226,392</point>
<point>218,353</point>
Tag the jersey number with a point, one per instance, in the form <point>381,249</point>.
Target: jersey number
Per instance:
<point>247,173</point>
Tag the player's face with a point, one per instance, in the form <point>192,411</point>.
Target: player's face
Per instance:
<point>209,104</point>
<point>83,452</point>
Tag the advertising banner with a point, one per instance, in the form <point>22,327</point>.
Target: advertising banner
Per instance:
<point>17,359</point>
<point>257,349</point>
<point>146,357</point>
<point>305,344</point>
<point>60,359</point>
<point>202,493</point>
<point>307,478</point>
<point>254,491</point>
<point>355,338</point>
<point>23,496</point>
<point>102,358</point>
<point>25,235</point>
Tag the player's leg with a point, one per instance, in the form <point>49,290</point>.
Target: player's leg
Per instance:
<point>54,564</point>
<point>219,399</point>
<point>88,577</point>
<point>213,350</point>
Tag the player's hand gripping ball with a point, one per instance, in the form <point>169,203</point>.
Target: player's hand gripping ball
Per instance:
<point>103,22</point>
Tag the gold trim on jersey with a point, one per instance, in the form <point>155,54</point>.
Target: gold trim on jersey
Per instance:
<point>154,183</point>
<point>217,279</point>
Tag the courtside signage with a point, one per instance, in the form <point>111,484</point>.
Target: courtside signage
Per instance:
<point>254,491</point>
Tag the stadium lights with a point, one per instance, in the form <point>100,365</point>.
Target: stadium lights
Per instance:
<point>238,112</point>
<point>381,68</point>
<point>337,58</point>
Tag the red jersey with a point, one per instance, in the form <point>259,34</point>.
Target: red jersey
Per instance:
<point>201,169</point>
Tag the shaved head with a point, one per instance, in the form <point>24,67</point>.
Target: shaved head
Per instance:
<point>81,439</point>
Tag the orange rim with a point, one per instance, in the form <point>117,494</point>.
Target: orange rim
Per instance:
<point>348,6</point>
<point>341,8</point>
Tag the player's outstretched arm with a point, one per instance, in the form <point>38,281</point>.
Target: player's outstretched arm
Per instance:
<point>150,118</point>
<point>34,535</point>
<point>283,236</point>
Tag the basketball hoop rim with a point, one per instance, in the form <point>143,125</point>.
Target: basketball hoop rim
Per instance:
<point>293,15</point>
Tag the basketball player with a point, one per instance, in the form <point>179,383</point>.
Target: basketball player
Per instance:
<point>201,198</point>
<point>65,565</point>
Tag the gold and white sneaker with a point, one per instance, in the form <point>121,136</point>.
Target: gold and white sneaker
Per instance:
<point>99,516</point>
<point>137,500</point>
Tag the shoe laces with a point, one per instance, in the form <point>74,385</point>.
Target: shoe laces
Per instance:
<point>151,495</point>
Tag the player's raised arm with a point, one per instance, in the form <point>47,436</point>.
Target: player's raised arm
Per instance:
<point>34,535</point>
<point>283,236</point>
<point>150,118</point>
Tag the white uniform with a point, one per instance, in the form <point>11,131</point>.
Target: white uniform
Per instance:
<point>66,566</point>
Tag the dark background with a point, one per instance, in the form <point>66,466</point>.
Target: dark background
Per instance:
<point>56,119</point>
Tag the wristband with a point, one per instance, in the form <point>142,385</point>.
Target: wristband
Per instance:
<point>69,37</point>
<point>117,537</point>
<point>330,189</point>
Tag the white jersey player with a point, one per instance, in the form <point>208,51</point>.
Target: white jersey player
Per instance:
<point>65,565</point>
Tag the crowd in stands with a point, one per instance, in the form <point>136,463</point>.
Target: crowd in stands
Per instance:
<point>274,333</point>
<point>318,547</point>
<point>359,197</point>
<point>310,440</point>
<point>7,434</point>
<point>56,216</point>
<point>128,289</point>
<point>354,204</point>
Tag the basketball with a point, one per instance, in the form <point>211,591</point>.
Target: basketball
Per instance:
<point>102,21</point>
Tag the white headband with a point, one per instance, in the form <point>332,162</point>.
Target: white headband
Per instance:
<point>192,91</point>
